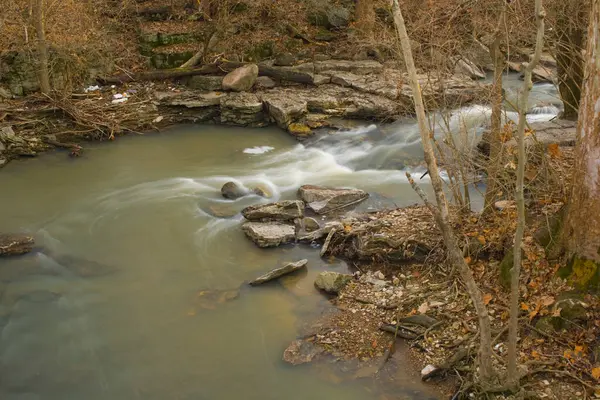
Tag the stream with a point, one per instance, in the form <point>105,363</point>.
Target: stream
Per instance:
<point>133,290</point>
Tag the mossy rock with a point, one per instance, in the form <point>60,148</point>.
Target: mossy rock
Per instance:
<point>548,325</point>
<point>261,51</point>
<point>299,130</point>
<point>169,60</point>
<point>582,273</point>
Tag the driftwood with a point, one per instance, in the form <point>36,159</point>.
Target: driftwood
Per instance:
<point>218,68</point>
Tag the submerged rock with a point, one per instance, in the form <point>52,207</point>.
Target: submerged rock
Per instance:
<point>287,210</point>
<point>241,79</point>
<point>15,244</point>
<point>232,190</point>
<point>278,272</point>
<point>301,352</point>
<point>332,282</point>
<point>221,210</point>
<point>210,299</point>
<point>269,234</point>
<point>323,200</point>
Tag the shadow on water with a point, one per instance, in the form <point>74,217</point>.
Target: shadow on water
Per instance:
<point>138,290</point>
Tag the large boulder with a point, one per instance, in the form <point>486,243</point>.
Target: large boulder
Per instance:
<point>269,234</point>
<point>332,282</point>
<point>287,210</point>
<point>329,16</point>
<point>12,245</point>
<point>244,109</point>
<point>279,272</point>
<point>323,200</point>
<point>232,191</point>
<point>241,79</point>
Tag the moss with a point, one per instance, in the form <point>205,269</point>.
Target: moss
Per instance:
<point>298,129</point>
<point>584,273</point>
<point>261,51</point>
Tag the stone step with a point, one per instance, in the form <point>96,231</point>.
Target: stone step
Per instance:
<point>173,55</point>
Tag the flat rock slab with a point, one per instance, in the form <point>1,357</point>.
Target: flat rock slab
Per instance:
<point>278,272</point>
<point>287,210</point>
<point>269,234</point>
<point>323,200</point>
<point>13,244</point>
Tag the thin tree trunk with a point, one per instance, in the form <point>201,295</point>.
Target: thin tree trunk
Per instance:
<point>495,140</point>
<point>42,47</point>
<point>440,212</point>
<point>513,325</point>
<point>582,225</point>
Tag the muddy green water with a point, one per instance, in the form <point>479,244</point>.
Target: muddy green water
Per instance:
<point>108,308</point>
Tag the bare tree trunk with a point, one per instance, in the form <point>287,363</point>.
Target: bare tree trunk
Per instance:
<point>513,325</point>
<point>42,47</point>
<point>582,225</point>
<point>496,120</point>
<point>570,33</point>
<point>440,212</point>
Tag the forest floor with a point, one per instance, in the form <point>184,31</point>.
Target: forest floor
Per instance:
<point>424,303</point>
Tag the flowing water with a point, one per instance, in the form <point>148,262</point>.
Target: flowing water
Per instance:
<point>119,301</point>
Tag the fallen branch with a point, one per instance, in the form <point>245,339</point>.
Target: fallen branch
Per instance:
<point>217,68</point>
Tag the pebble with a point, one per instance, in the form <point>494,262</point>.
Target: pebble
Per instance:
<point>379,275</point>
<point>427,370</point>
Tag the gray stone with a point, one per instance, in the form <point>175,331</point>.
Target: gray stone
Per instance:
<point>286,210</point>
<point>15,244</point>
<point>269,234</point>
<point>321,232</point>
<point>310,224</point>
<point>265,82</point>
<point>278,272</point>
<point>468,68</point>
<point>207,83</point>
<point>332,282</point>
<point>241,79</point>
<point>244,109</point>
<point>190,99</point>
<point>285,60</point>
<point>232,190</point>
<point>323,200</point>
<point>284,109</point>
<point>329,16</point>
<point>356,67</point>
<point>319,80</point>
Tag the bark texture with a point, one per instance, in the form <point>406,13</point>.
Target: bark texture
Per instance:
<point>440,212</point>
<point>582,225</point>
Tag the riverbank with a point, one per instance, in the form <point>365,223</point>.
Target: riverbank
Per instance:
<point>338,89</point>
<point>403,289</point>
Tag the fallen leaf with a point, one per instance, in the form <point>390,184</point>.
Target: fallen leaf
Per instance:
<point>423,308</point>
<point>487,298</point>
<point>596,373</point>
<point>556,313</point>
<point>547,300</point>
<point>481,239</point>
<point>524,307</point>
<point>579,350</point>
<point>468,260</point>
<point>554,150</point>
<point>347,228</point>
<point>535,354</point>
<point>374,344</point>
